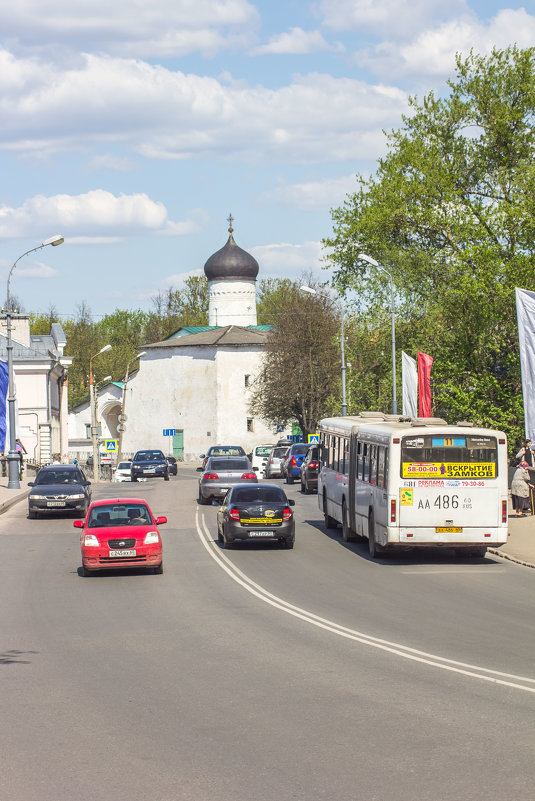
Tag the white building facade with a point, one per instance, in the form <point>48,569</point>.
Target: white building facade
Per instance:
<point>193,389</point>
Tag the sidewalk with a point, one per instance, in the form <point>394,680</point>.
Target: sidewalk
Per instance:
<point>520,545</point>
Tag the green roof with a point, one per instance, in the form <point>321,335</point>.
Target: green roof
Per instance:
<point>187,330</point>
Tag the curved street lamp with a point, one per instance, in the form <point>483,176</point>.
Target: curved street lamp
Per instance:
<point>376,264</point>
<point>93,405</point>
<point>13,460</point>
<point>312,291</point>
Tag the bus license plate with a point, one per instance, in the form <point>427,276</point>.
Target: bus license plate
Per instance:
<point>449,530</point>
<point>122,553</point>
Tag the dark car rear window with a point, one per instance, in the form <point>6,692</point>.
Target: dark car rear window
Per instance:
<point>59,477</point>
<point>218,463</point>
<point>258,494</point>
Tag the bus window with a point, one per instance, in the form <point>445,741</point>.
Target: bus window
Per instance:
<point>365,463</point>
<point>373,464</point>
<point>345,467</point>
<point>381,466</point>
<point>360,468</point>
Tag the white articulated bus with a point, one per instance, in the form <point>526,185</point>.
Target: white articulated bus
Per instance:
<point>404,482</point>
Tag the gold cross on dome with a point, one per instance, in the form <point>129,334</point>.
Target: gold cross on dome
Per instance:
<point>230,220</point>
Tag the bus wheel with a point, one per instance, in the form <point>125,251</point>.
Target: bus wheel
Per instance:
<point>375,549</point>
<point>330,522</point>
<point>347,534</point>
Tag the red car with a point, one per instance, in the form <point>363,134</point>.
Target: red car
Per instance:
<point>120,533</point>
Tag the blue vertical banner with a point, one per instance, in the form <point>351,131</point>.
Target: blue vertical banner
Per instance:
<point>4,382</point>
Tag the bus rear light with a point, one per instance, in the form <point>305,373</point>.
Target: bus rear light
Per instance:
<point>410,535</point>
<point>504,511</point>
<point>396,440</point>
<point>393,510</point>
<point>234,514</point>
<point>486,535</point>
<point>501,441</point>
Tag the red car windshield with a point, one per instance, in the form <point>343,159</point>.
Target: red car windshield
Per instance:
<point>132,514</point>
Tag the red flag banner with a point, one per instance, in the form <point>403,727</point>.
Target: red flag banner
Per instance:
<point>424,384</point>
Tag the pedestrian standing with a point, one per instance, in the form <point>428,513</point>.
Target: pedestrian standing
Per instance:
<point>525,453</point>
<point>520,489</point>
<point>21,450</point>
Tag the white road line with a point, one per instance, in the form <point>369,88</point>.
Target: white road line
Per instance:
<point>473,671</point>
<point>440,572</point>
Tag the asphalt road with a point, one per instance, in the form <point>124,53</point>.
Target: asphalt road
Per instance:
<point>258,673</point>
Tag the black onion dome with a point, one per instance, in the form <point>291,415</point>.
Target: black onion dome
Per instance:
<point>231,262</point>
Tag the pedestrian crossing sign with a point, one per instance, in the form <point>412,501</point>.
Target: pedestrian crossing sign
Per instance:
<point>111,445</point>
<point>313,438</point>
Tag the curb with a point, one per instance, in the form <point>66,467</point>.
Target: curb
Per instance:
<point>515,559</point>
<point>20,496</point>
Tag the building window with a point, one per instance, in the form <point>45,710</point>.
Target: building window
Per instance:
<point>88,430</point>
<point>250,424</point>
<point>247,380</point>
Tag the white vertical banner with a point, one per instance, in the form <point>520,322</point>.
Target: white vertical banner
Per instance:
<point>409,377</point>
<point>525,313</point>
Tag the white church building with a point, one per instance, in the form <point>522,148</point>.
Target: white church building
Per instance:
<point>192,390</point>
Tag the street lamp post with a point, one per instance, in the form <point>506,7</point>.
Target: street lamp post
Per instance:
<point>123,405</point>
<point>93,405</point>
<point>13,459</point>
<point>371,261</point>
<point>312,291</point>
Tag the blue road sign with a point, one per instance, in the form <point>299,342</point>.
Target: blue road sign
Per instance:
<point>111,445</point>
<point>313,437</point>
<point>169,432</point>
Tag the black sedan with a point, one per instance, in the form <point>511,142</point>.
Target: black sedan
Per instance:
<point>149,463</point>
<point>254,513</point>
<point>59,488</point>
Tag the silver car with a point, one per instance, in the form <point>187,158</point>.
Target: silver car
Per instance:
<point>221,473</point>
<point>273,464</point>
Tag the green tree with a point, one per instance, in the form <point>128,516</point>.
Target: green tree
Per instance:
<point>451,211</point>
<point>301,369</point>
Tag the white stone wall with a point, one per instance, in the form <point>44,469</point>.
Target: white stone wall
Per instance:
<point>200,390</point>
<point>232,302</point>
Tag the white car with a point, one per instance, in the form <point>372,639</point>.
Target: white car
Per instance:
<point>260,458</point>
<point>122,472</point>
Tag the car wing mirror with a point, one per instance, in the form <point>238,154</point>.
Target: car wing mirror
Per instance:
<point>160,520</point>
<point>255,468</point>
<point>31,483</point>
<point>199,470</point>
<point>291,502</point>
<point>202,456</point>
<point>78,523</point>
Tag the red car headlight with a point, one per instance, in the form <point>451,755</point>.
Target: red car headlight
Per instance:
<point>151,537</point>
<point>90,541</point>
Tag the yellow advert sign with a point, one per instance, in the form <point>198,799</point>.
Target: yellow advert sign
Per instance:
<point>260,520</point>
<point>407,496</point>
<point>449,470</point>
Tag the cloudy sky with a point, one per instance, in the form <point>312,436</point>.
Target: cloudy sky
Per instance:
<point>133,128</point>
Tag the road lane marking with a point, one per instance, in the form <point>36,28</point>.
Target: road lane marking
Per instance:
<point>413,654</point>
<point>439,572</point>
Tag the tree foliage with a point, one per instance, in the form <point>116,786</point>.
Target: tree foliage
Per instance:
<point>451,212</point>
<point>301,369</point>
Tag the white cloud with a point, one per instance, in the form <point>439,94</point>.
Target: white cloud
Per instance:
<point>161,28</point>
<point>432,52</point>
<point>296,42</point>
<point>88,216</point>
<point>108,162</point>
<point>315,194</point>
<point>285,260</point>
<point>398,18</point>
<point>164,114</point>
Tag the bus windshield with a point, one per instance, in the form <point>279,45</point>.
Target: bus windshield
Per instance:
<point>443,456</point>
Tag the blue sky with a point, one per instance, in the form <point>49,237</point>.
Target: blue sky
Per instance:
<point>134,128</point>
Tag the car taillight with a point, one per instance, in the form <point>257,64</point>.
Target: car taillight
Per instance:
<point>248,475</point>
<point>293,460</point>
<point>234,514</point>
<point>287,514</point>
<point>504,511</point>
<point>211,476</point>
<point>393,510</point>
<point>314,465</point>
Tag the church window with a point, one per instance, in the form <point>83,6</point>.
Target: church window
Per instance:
<point>247,380</point>
<point>250,424</point>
